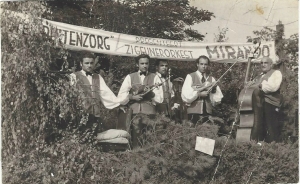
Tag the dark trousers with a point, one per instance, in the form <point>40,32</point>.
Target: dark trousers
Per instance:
<point>163,109</point>
<point>139,128</point>
<point>258,130</point>
<point>272,123</point>
<point>177,115</point>
<point>136,125</point>
<point>199,118</point>
<point>267,119</point>
<point>90,128</point>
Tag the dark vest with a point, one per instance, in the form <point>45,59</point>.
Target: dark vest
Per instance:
<point>164,107</point>
<point>89,93</point>
<point>145,106</point>
<point>196,106</point>
<point>274,98</point>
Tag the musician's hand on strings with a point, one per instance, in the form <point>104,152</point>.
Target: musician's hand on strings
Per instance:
<point>136,97</point>
<point>200,87</point>
<point>157,85</point>
<point>250,83</point>
<point>212,87</point>
<point>203,93</point>
<point>147,88</point>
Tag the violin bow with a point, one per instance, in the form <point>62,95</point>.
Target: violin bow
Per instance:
<point>155,86</point>
<point>209,90</point>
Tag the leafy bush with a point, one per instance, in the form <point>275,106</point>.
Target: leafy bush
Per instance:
<point>168,156</point>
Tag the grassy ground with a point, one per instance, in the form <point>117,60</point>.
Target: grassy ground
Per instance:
<point>168,156</point>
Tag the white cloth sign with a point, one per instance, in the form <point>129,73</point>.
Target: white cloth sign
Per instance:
<point>100,41</point>
<point>205,145</point>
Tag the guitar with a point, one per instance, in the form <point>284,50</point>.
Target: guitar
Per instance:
<point>125,113</point>
<point>144,90</point>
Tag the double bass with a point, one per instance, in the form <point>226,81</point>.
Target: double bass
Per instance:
<point>249,108</point>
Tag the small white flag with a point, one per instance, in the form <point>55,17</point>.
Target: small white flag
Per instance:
<point>205,145</point>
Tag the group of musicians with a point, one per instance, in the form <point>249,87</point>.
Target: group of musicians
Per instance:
<point>149,93</point>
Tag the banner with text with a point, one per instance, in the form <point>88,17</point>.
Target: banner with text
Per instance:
<point>100,41</point>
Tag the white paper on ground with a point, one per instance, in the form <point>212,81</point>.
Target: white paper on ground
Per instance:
<point>205,145</point>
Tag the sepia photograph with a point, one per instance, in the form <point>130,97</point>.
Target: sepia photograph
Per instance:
<point>149,91</point>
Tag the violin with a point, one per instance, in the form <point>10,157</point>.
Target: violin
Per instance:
<point>143,90</point>
<point>125,113</point>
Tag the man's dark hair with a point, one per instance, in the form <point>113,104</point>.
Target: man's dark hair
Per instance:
<point>88,55</point>
<point>141,56</point>
<point>203,57</point>
<point>157,62</point>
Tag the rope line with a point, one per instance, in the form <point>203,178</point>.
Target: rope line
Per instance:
<point>271,9</point>
<point>253,24</point>
<point>231,11</point>
<point>256,166</point>
<point>229,135</point>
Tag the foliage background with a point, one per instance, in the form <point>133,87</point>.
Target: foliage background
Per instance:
<point>41,114</point>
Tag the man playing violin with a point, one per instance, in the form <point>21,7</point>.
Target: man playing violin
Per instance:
<point>132,91</point>
<point>267,125</point>
<point>162,68</point>
<point>200,93</point>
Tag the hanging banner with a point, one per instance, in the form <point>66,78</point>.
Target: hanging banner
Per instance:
<point>100,41</point>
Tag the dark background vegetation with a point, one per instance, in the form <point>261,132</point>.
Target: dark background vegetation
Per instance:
<point>41,114</point>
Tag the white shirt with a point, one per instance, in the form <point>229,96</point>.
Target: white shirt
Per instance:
<point>107,97</point>
<point>189,95</point>
<point>273,83</point>
<point>165,84</point>
<point>123,94</point>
